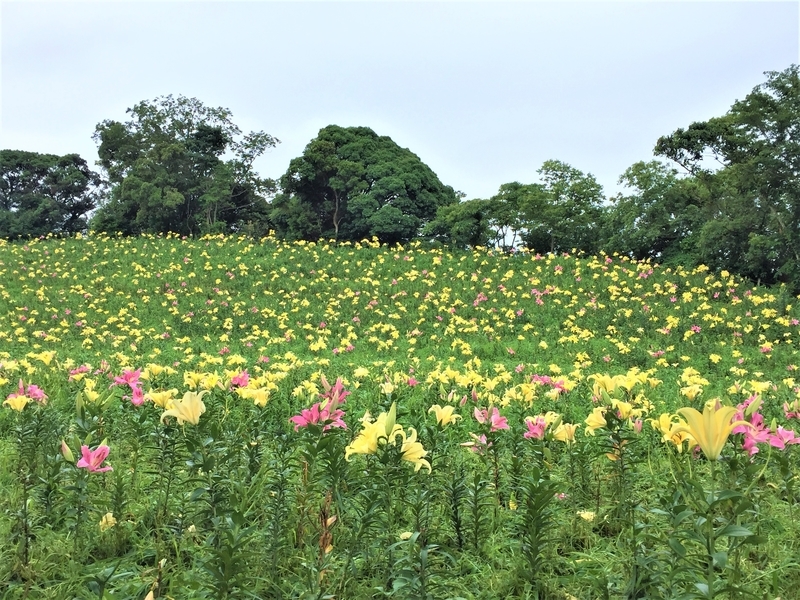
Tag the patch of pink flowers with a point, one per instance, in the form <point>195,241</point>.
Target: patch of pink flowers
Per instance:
<point>326,412</point>
<point>535,427</point>
<point>241,380</point>
<point>34,392</point>
<point>131,379</point>
<point>492,417</point>
<point>759,433</point>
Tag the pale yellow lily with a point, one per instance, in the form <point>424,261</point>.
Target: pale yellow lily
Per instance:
<point>444,415</point>
<point>596,420</point>
<point>188,409</point>
<point>413,452</point>
<point>709,430</point>
<point>565,432</point>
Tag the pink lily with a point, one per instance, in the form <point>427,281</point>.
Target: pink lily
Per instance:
<point>334,394</point>
<point>241,380</point>
<point>756,434</point>
<point>782,437</point>
<point>492,416</point>
<point>535,428</point>
<point>316,415</point>
<point>128,377</point>
<point>138,396</point>
<point>93,459</point>
<point>479,444</point>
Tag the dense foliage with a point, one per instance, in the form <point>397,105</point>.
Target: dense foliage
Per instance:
<point>45,193</point>
<point>167,170</point>
<point>750,207</point>
<point>352,184</point>
<point>314,420</point>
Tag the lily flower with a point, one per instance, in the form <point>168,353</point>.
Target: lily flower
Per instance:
<point>92,460</point>
<point>384,429</point>
<point>240,380</point>
<point>162,399</point>
<point>565,433</point>
<point>596,420</point>
<point>535,427</point>
<point>16,401</point>
<point>709,430</point>
<point>334,394</point>
<point>128,377</point>
<point>413,451</point>
<point>444,415</point>
<point>319,415</point>
<point>187,409</point>
<point>782,437</point>
<point>479,444</point>
<point>492,416</point>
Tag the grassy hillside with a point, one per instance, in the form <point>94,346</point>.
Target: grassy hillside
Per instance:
<point>188,357</point>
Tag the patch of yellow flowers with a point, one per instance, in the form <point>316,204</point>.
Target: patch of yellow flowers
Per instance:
<point>386,431</point>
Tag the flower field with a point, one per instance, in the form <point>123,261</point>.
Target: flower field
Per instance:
<point>228,418</point>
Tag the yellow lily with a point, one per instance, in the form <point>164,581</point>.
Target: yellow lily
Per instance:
<point>16,402</point>
<point>161,399</point>
<point>372,432</point>
<point>710,430</point>
<point>413,451</point>
<point>596,420</point>
<point>625,409</point>
<point>565,433</point>
<point>663,425</point>
<point>187,409</point>
<point>444,415</point>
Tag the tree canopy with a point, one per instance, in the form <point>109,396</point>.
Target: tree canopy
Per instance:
<point>748,163</point>
<point>561,213</point>
<point>352,184</point>
<point>45,193</point>
<point>180,166</point>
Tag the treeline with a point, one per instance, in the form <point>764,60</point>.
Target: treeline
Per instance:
<point>724,192</point>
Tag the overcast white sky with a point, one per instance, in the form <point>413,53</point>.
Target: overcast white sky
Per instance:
<point>483,92</point>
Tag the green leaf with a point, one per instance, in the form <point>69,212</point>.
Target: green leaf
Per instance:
<point>677,547</point>
<point>734,531</point>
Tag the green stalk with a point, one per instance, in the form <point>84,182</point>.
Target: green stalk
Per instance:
<point>711,541</point>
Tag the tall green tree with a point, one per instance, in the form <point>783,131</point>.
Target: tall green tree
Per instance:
<point>462,225</point>
<point>659,217</point>
<point>749,162</point>
<point>351,184</point>
<point>45,193</point>
<point>565,211</point>
<point>507,209</point>
<point>177,165</point>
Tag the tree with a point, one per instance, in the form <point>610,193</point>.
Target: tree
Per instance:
<point>351,184</point>
<point>752,214</point>
<point>180,166</point>
<point>506,211</point>
<point>564,212</point>
<point>464,224</point>
<point>660,219</point>
<point>45,193</point>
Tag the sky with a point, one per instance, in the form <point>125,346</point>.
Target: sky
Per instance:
<point>482,92</point>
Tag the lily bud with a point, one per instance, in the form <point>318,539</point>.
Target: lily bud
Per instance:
<point>391,419</point>
<point>66,452</point>
<point>753,406</point>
